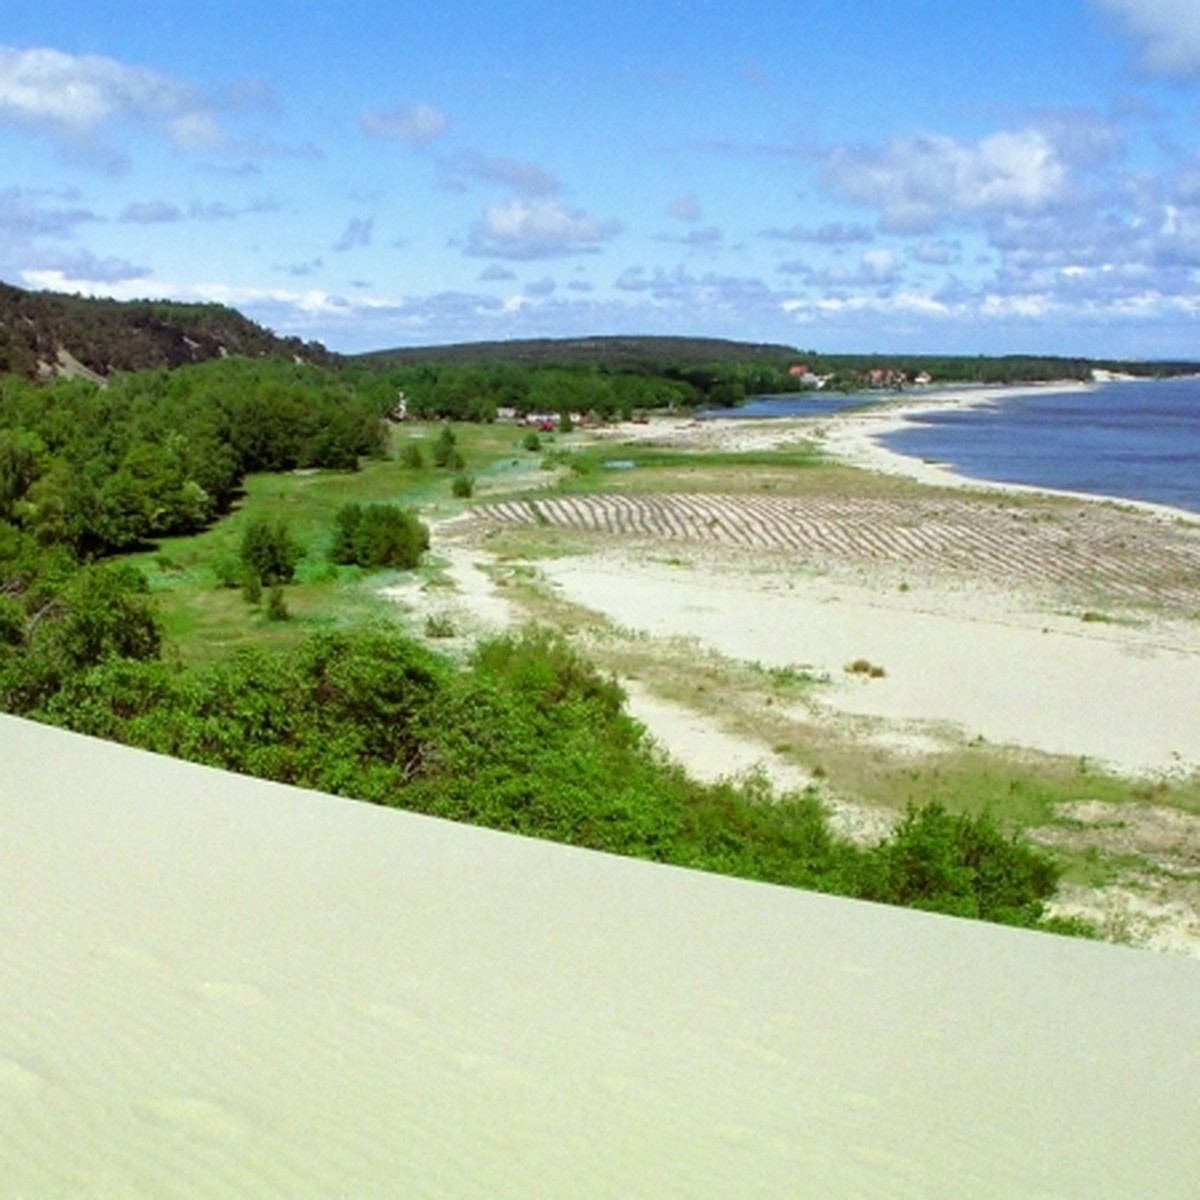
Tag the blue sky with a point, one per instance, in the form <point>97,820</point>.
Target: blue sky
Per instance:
<point>859,175</point>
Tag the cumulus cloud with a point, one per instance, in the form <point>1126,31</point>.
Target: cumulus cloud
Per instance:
<point>705,236</point>
<point>879,266</point>
<point>935,253</point>
<point>218,210</point>
<point>918,182</point>
<point>733,296</point>
<point>1168,32</point>
<point>27,214</point>
<point>417,124</point>
<point>302,269</point>
<point>494,273</point>
<point>685,208</point>
<point>81,271</point>
<point>75,95</point>
<point>520,229</point>
<point>875,268</point>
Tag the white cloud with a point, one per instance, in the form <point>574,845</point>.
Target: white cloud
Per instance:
<point>703,237</point>
<point>874,269</point>
<point>833,233</point>
<point>418,124</point>
<point>934,253</point>
<point>918,182</point>
<point>1168,31</point>
<point>82,271</point>
<point>521,229</point>
<point>880,266</point>
<point>75,95</point>
<point>24,215</point>
<point>196,131</point>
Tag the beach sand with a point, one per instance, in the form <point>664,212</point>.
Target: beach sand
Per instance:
<point>214,986</point>
<point>978,613</point>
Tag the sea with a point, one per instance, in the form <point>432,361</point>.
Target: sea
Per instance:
<point>1136,439</point>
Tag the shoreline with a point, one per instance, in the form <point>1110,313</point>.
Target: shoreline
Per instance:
<point>1062,630</point>
<point>855,437</point>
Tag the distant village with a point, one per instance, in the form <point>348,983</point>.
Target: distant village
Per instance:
<point>875,377</point>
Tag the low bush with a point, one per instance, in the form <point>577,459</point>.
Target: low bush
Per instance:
<point>269,551</point>
<point>379,535</point>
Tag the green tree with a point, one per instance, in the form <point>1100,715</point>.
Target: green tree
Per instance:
<point>269,551</point>
<point>379,535</point>
<point>445,450</point>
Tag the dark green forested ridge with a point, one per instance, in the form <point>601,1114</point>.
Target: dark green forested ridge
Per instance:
<point>110,335</point>
<point>615,353</point>
<point>759,366</point>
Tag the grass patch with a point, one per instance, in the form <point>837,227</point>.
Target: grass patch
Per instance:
<point>205,621</point>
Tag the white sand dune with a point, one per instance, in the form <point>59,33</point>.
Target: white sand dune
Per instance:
<point>213,986</point>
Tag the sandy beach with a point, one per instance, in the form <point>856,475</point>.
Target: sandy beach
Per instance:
<point>977,614</point>
<point>982,614</point>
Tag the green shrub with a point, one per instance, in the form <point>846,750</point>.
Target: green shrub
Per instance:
<point>445,452</point>
<point>463,486</point>
<point>379,535</point>
<point>277,609</point>
<point>251,587</point>
<point>230,571</point>
<point>963,865</point>
<point>268,550</point>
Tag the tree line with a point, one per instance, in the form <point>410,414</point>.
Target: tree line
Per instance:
<point>100,470</point>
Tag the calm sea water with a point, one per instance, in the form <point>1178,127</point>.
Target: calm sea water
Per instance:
<point>1138,440</point>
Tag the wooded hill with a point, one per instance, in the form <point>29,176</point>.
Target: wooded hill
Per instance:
<point>616,353</point>
<point>51,333</point>
<point>674,355</point>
